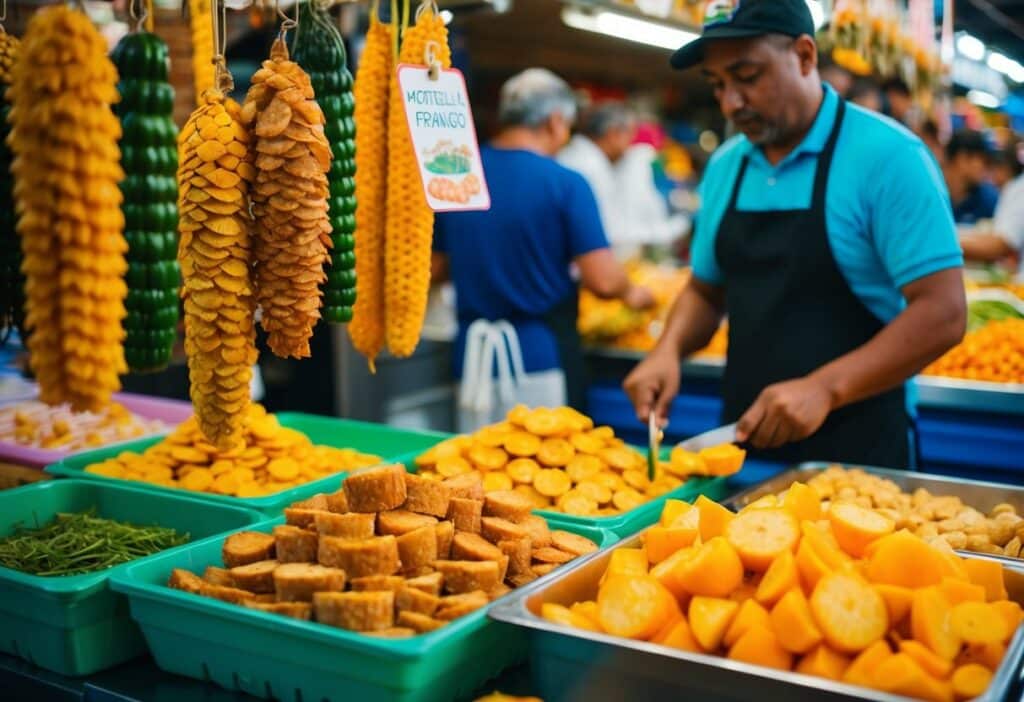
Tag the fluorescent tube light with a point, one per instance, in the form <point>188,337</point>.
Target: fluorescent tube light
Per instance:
<point>1007,66</point>
<point>970,47</point>
<point>632,29</point>
<point>984,99</point>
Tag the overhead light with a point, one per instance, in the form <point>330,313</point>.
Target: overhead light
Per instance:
<point>622,26</point>
<point>970,47</point>
<point>446,16</point>
<point>1007,66</point>
<point>817,13</point>
<point>984,99</point>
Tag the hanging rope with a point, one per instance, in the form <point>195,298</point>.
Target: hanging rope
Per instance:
<point>222,76</point>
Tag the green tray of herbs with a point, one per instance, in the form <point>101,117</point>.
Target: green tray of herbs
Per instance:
<point>61,540</point>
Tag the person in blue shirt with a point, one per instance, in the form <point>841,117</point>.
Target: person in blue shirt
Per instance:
<point>968,154</point>
<point>513,262</point>
<point>826,235</point>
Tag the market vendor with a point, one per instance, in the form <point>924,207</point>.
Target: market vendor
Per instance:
<point>513,262</point>
<point>827,238</point>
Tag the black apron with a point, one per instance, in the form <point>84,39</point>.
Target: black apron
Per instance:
<point>791,311</point>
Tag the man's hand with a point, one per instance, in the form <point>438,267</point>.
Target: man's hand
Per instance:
<point>785,412</point>
<point>638,297</point>
<point>653,385</point>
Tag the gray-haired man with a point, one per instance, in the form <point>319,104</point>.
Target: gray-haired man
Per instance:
<point>513,261</point>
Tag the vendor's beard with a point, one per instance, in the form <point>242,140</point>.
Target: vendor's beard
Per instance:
<point>757,129</point>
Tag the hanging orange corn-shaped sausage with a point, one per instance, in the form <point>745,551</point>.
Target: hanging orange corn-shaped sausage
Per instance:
<point>410,221</point>
<point>371,94</point>
<point>66,170</point>
<point>289,201</point>
<point>214,176</point>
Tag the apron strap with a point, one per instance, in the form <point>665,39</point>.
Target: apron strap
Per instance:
<point>824,165</point>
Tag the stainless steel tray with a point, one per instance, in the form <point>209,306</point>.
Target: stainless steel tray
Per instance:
<point>573,665</point>
<point>981,495</point>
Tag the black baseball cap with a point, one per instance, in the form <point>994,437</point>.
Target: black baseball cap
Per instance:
<point>736,19</point>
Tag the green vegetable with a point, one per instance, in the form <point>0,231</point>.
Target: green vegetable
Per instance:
<point>78,543</point>
<point>981,312</point>
<point>318,48</point>
<point>149,157</point>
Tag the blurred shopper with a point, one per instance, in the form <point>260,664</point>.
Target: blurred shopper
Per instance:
<point>620,172</point>
<point>513,262</point>
<point>865,93</point>
<point>897,101</point>
<point>826,236</point>
<point>965,169</point>
<point>1002,241</point>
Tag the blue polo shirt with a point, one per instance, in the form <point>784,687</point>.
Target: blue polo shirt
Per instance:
<point>887,208</point>
<point>513,261</point>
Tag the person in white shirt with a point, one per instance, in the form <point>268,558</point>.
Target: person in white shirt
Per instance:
<point>632,210</point>
<point>1003,239</point>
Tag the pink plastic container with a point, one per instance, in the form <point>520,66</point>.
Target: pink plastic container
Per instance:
<point>171,412</point>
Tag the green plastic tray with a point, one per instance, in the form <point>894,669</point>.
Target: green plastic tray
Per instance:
<point>634,520</point>
<point>390,444</point>
<point>75,625</point>
<point>274,657</point>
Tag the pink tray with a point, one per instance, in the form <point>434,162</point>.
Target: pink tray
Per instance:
<point>170,411</point>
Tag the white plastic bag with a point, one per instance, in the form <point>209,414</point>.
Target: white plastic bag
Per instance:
<point>494,379</point>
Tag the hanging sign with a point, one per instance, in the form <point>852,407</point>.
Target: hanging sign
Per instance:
<point>443,135</point>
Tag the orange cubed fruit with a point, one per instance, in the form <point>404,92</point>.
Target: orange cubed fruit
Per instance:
<point>760,646</point>
<point>810,565</point>
<point>781,577</point>
<point>1011,612</point>
<point>803,502</point>
<point>713,570</point>
<point>850,614</point>
<point>988,655</point>
<point>681,637</point>
<point>661,542</point>
<point>933,664</point>
<point>820,537</point>
<point>726,459</point>
<point>931,622</point>
<point>793,623</point>
<point>588,609</point>
<point>970,681</point>
<point>989,575</point>
<point>666,628</point>
<point>714,518</point>
<point>890,558</point>
<point>634,606</point>
<point>855,527</point>
<point>709,619</point>
<point>762,535</point>
<point>673,510</point>
<point>957,591</point>
<point>823,662</point>
<point>900,674</point>
<point>897,601</point>
<point>667,571</point>
<point>861,671</point>
<point>626,561</point>
<point>978,623</point>
<point>750,614</point>
<point>559,614</point>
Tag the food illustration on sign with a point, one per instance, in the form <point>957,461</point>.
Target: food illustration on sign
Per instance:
<point>447,159</point>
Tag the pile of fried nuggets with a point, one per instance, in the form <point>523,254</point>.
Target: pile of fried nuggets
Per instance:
<point>391,554</point>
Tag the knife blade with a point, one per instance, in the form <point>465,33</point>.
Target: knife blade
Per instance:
<point>654,437</point>
<point>715,437</point>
